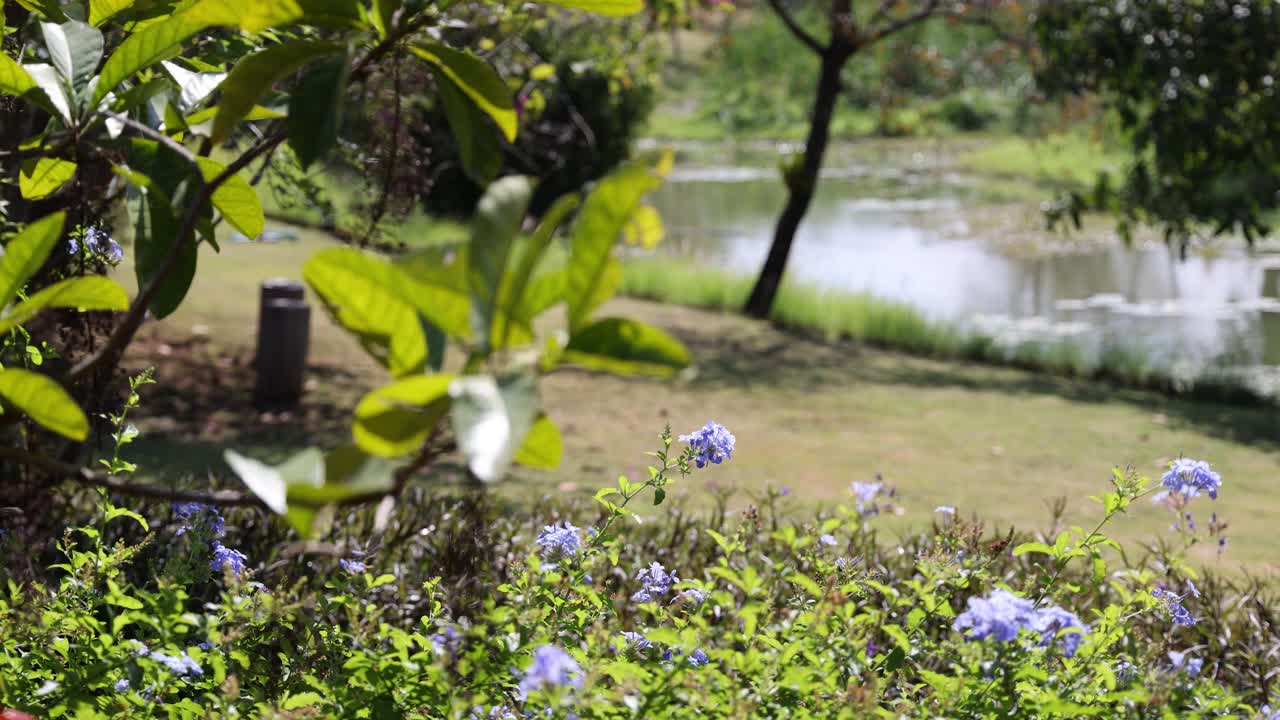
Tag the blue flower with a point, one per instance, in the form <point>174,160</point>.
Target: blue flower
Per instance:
<point>355,567</point>
<point>198,517</point>
<point>1003,615</point>
<point>447,642</point>
<point>694,595</point>
<point>1125,671</point>
<point>865,494</point>
<point>121,685</point>
<point>657,581</point>
<point>225,558</point>
<point>827,540</point>
<point>1052,621</point>
<point>553,667</point>
<point>178,664</point>
<point>1189,478</point>
<point>637,641</point>
<point>697,658</point>
<point>1173,605</point>
<point>712,443</point>
<point>98,242</point>
<point>1265,713</point>
<point>559,542</point>
<point>1180,661</point>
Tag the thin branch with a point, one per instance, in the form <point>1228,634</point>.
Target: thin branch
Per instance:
<point>800,33</point>
<point>85,476</point>
<point>163,139</point>
<point>903,23</point>
<point>41,151</point>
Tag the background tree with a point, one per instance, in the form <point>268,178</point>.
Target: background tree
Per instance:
<point>848,35</point>
<point>1194,87</point>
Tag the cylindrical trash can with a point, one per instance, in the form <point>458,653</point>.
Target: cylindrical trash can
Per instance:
<point>284,333</point>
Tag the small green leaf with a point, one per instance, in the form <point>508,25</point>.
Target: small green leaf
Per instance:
<point>16,81</point>
<point>154,235</point>
<point>193,87</point>
<point>396,419</point>
<point>53,88</point>
<point>626,346</point>
<point>493,231</point>
<point>315,110</point>
<point>252,77</point>
<point>477,79</point>
<point>472,131</point>
<point>44,401</point>
<point>117,512</point>
<point>302,699</point>
<point>543,447</point>
<point>1032,547</point>
<point>512,298</point>
<point>235,199</point>
<point>26,252</point>
<point>262,480</point>
<point>75,49</point>
<point>43,177</point>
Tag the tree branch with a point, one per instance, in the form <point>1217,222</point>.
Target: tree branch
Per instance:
<point>902,23</point>
<point>85,476</point>
<point>800,33</point>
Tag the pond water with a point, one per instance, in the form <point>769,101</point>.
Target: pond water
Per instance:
<point>904,223</point>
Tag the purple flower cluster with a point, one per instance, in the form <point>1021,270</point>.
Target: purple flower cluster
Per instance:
<point>1188,478</point>
<point>355,567</point>
<point>1191,666</point>
<point>199,518</point>
<point>98,242</point>
<point>552,667</point>
<point>1003,615</point>
<point>559,542</point>
<point>712,443</point>
<point>698,658</point>
<point>656,582</point>
<point>827,540</point>
<point>225,558</point>
<point>178,664</point>
<point>1173,604</point>
<point>636,641</point>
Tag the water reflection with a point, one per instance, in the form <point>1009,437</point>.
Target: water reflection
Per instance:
<point>920,233</point>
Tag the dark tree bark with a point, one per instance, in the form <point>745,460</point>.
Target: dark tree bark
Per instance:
<point>800,185</point>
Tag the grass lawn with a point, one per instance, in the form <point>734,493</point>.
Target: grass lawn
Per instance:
<point>815,416</point>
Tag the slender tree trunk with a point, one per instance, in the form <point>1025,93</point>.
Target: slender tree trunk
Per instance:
<point>800,184</point>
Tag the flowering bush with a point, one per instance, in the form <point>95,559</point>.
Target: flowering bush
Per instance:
<point>464,610</point>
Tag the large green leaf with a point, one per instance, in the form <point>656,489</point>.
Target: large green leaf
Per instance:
<point>605,214</point>
<point>543,447</point>
<point>26,252</point>
<point>44,401</point>
<point>193,87</point>
<point>91,292</point>
<point>155,233</point>
<point>493,232</point>
<point>512,300</point>
<point>75,49</point>
<point>15,80</point>
<point>472,131</point>
<point>235,199</point>
<point>614,8</point>
<point>150,45</point>
<point>477,79</point>
<point>262,480</point>
<point>364,294</point>
<point>623,346</point>
<point>396,419</point>
<point>44,176</point>
<point>52,88</point>
<point>253,76</point>
<point>491,419</point>
<point>262,14</point>
<point>102,10</point>
<point>435,282</point>
<point>315,110</point>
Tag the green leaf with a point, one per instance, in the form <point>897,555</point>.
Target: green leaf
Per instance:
<point>606,211</point>
<point>491,419</point>
<point>15,80</point>
<point>102,10</point>
<point>493,231</point>
<point>477,142</point>
<point>53,89</point>
<point>193,87</point>
<point>645,229</point>
<point>436,285</point>
<point>262,480</point>
<point>154,235</point>
<point>383,13</point>
<point>91,292</point>
<point>116,512</point>
<point>613,8</point>
<point>302,699</point>
<point>235,199</point>
<point>625,346</point>
<point>75,49</point>
<point>315,110</point>
<point>477,79</point>
<point>364,295</point>
<point>154,43</point>
<point>543,447</point>
<point>1032,547</point>
<point>26,252</point>
<point>513,293</point>
<point>44,401</point>
<point>43,177</point>
<point>253,76</point>
<point>396,419</point>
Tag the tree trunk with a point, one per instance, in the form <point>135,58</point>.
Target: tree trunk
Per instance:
<point>800,186</point>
